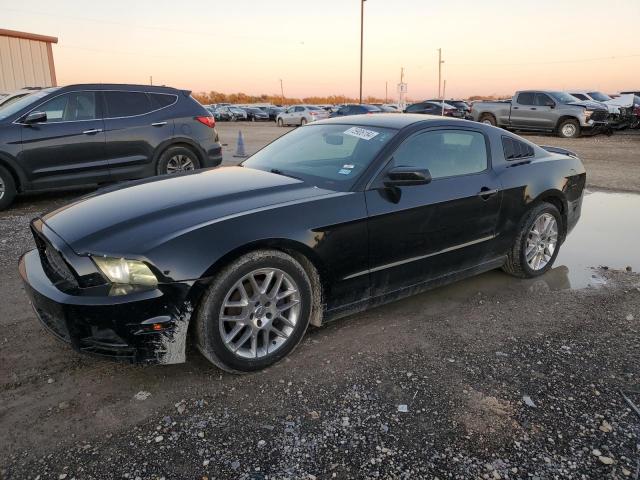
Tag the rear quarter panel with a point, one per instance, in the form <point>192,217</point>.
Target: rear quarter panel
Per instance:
<point>556,178</point>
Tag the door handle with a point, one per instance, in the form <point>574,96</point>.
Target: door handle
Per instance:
<point>516,108</point>
<point>92,131</point>
<point>533,108</point>
<point>486,192</point>
<point>158,124</point>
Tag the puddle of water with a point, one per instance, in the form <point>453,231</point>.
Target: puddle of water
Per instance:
<point>607,234</point>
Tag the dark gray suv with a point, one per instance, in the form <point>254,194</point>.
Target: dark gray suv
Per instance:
<point>92,134</point>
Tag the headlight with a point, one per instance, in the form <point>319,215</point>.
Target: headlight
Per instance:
<point>129,272</point>
<point>587,114</point>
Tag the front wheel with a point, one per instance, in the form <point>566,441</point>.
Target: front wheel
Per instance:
<point>7,188</point>
<point>280,122</point>
<point>537,244</point>
<point>255,312</point>
<point>569,129</point>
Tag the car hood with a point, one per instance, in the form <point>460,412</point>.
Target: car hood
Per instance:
<point>133,218</point>
<point>590,104</point>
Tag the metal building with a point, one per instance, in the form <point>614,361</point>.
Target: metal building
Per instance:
<point>26,60</point>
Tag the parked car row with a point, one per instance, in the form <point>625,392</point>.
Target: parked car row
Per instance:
<point>567,114</point>
<point>254,113</point>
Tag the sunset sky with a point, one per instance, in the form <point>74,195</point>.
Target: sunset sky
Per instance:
<point>489,47</point>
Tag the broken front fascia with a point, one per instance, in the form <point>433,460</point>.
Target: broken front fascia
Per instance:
<point>147,326</point>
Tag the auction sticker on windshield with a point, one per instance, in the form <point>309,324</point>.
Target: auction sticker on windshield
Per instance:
<point>362,133</point>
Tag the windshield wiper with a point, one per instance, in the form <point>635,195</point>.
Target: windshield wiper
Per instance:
<point>280,172</point>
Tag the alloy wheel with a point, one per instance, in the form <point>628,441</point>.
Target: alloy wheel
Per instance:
<point>2,188</point>
<point>180,163</point>
<point>569,130</point>
<point>259,313</point>
<point>542,241</point>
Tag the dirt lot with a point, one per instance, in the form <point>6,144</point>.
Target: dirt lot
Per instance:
<point>499,378</point>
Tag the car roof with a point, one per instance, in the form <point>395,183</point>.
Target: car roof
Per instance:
<point>396,121</point>
<point>122,86</point>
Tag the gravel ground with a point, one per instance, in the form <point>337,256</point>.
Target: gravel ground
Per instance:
<point>500,378</point>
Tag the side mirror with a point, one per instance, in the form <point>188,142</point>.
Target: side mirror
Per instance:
<point>35,117</point>
<point>551,105</point>
<point>407,176</point>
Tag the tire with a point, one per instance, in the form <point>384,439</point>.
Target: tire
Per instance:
<point>280,122</point>
<point>488,119</point>
<point>569,128</point>
<point>177,160</point>
<point>8,189</point>
<point>517,264</point>
<point>303,122</point>
<point>253,119</point>
<point>224,289</point>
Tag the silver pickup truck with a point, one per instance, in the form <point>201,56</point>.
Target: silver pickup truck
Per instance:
<point>545,111</point>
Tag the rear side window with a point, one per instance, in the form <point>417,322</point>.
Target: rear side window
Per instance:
<point>446,153</point>
<point>415,108</point>
<point>127,104</point>
<point>526,98</point>
<point>516,150</point>
<point>161,100</point>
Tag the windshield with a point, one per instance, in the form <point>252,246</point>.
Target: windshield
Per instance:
<point>563,97</point>
<point>599,96</point>
<point>9,109</point>
<point>327,155</point>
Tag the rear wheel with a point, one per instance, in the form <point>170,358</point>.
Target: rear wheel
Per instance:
<point>569,128</point>
<point>303,121</point>
<point>537,244</point>
<point>255,312</point>
<point>488,119</point>
<point>280,122</point>
<point>8,189</point>
<point>177,160</point>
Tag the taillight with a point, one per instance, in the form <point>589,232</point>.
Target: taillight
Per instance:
<point>313,113</point>
<point>209,121</point>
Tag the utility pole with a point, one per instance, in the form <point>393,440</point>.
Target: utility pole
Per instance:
<point>361,42</point>
<point>386,92</point>
<point>150,79</point>
<point>282,92</point>
<point>444,88</point>
<point>440,62</point>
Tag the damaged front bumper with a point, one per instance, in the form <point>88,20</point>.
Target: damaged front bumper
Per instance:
<point>144,326</point>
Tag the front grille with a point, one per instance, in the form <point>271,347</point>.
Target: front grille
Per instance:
<point>54,265</point>
<point>599,115</point>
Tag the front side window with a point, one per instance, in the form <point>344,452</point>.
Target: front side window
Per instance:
<point>126,104</point>
<point>446,153</point>
<point>299,109</point>
<point>415,108</point>
<point>543,100</point>
<point>70,107</point>
<point>329,156</point>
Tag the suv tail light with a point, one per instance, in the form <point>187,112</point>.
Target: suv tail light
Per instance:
<point>209,121</point>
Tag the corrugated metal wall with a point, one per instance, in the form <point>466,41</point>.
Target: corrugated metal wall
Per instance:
<point>24,63</point>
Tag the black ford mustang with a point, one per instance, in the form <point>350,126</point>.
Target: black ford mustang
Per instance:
<point>330,219</point>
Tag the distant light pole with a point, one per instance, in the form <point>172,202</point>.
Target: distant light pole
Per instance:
<point>440,62</point>
<point>281,92</point>
<point>361,42</point>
